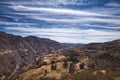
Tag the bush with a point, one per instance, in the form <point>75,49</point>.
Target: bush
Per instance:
<point>53,66</point>
<point>52,62</point>
<point>65,64</point>
<point>72,68</point>
<point>81,66</point>
<point>91,66</point>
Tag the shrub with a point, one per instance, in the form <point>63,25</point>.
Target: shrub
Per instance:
<point>65,64</point>
<point>72,68</point>
<point>53,66</point>
<point>81,66</point>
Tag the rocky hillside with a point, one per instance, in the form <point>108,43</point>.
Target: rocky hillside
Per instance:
<point>94,61</point>
<point>17,51</point>
<point>104,55</point>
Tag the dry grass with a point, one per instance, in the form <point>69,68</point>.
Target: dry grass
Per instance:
<point>34,74</point>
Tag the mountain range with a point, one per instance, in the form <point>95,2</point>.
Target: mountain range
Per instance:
<point>16,52</point>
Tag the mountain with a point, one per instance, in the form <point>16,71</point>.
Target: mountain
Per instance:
<point>17,52</point>
<point>71,45</point>
<point>19,55</point>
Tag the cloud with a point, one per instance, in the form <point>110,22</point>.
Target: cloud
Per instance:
<point>113,4</point>
<point>64,24</point>
<point>68,35</point>
<point>61,15</point>
<point>79,20</point>
<point>15,23</point>
<point>54,3</point>
<point>101,26</point>
<point>69,16</point>
<point>55,10</point>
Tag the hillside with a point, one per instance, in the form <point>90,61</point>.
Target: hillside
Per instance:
<point>105,55</point>
<point>94,61</point>
<point>17,52</point>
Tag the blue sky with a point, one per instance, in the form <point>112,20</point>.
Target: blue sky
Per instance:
<point>66,21</point>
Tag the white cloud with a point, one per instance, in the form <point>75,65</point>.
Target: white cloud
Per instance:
<point>69,35</point>
<point>15,23</point>
<point>46,2</point>
<point>113,4</point>
<point>61,15</point>
<point>42,12</point>
<point>110,11</point>
<point>55,10</point>
<point>101,26</point>
<point>78,20</point>
<point>103,20</point>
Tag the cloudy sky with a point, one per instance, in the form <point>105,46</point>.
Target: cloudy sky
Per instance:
<point>66,21</point>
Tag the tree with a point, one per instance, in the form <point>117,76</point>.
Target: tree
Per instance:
<point>44,63</point>
<point>53,66</point>
<point>52,62</point>
<point>91,66</point>
<point>72,68</point>
<point>45,72</point>
<point>65,64</point>
<point>39,64</point>
<point>81,66</point>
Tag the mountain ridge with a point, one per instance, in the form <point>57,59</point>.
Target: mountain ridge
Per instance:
<point>20,51</point>
<point>106,55</point>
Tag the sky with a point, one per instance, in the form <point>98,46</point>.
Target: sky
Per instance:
<point>65,21</point>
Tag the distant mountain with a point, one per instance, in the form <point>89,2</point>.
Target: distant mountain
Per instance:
<point>17,51</point>
<point>71,45</point>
